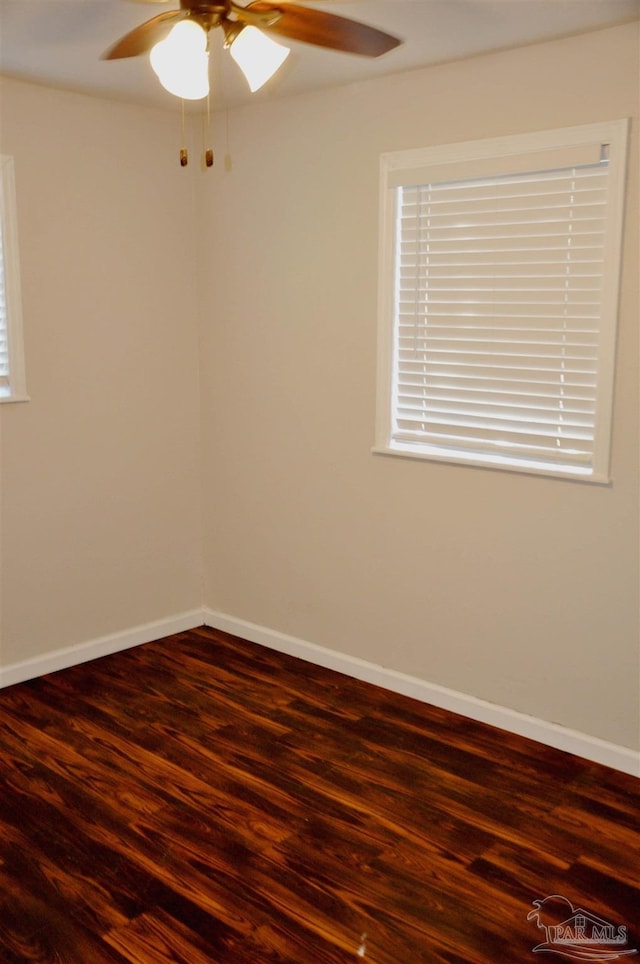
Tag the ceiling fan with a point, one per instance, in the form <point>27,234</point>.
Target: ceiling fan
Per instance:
<point>177,40</point>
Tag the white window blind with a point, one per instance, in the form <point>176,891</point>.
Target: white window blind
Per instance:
<point>503,310</point>
<point>12,378</point>
<point>4,343</point>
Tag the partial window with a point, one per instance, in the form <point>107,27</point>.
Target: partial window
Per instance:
<point>12,377</point>
<point>500,264</point>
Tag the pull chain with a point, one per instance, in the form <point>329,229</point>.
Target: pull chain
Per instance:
<point>228,163</point>
<point>206,134</point>
<point>184,153</point>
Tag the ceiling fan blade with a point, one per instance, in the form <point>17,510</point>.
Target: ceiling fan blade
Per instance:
<point>327,30</point>
<point>142,38</point>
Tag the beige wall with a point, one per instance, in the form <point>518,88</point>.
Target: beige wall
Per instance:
<point>515,589</point>
<point>100,470</point>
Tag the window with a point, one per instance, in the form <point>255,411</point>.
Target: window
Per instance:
<point>12,380</point>
<point>498,300</point>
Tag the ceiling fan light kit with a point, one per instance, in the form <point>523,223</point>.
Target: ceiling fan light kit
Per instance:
<point>179,52</point>
<point>181,61</point>
<point>257,56</point>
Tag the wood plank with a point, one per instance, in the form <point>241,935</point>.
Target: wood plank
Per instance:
<point>202,798</point>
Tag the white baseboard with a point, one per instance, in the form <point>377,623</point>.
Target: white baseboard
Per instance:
<point>550,734</point>
<point>104,646</point>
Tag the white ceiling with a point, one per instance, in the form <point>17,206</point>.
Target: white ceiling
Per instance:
<point>59,42</point>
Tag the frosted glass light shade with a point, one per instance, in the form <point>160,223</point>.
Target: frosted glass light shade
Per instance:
<point>257,56</point>
<point>181,61</point>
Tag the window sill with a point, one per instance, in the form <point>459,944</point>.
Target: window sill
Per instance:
<point>495,463</point>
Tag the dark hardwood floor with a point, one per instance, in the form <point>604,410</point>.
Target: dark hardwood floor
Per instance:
<point>204,799</point>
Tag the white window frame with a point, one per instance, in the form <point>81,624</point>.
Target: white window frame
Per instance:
<point>467,161</point>
<point>13,384</point>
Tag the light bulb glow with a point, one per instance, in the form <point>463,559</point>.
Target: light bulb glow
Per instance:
<point>257,56</point>
<point>181,61</point>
